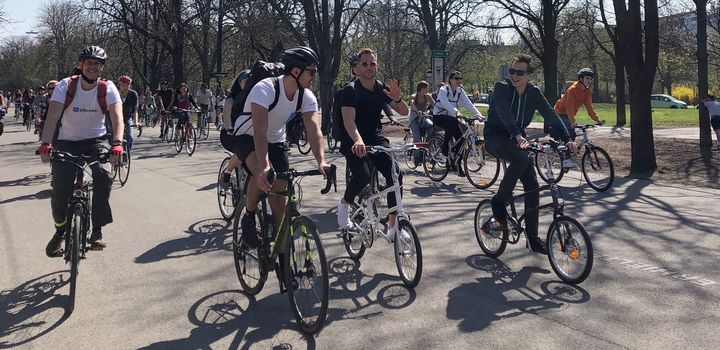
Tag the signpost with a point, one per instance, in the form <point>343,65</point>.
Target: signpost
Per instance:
<point>438,70</point>
<point>219,75</point>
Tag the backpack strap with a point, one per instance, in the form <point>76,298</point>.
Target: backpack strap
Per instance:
<point>72,89</point>
<point>276,84</point>
<point>70,93</point>
<point>102,94</point>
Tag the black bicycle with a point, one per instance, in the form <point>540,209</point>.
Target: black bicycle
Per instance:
<point>294,251</point>
<point>570,250</point>
<point>169,130</point>
<point>203,124</point>
<point>121,172</point>
<point>232,195</point>
<point>78,214</point>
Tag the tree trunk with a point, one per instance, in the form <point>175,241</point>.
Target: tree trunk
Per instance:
<point>550,52</point>
<point>619,90</point>
<point>642,141</point>
<point>702,58</point>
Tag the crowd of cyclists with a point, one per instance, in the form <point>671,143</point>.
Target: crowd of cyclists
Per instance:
<point>97,117</point>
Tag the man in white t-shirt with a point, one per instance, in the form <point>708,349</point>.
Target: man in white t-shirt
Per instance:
<point>82,102</point>
<point>260,143</point>
<point>204,99</point>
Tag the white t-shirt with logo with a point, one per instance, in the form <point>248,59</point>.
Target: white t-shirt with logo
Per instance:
<point>263,94</point>
<point>204,98</point>
<point>83,119</point>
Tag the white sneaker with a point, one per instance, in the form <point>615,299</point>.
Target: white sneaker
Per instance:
<point>568,163</point>
<point>391,232</point>
<point>343,217</point>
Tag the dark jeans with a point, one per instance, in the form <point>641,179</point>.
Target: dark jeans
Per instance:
<point>128,134</point>
<point>361,172</point>
<point>556,134</point>
<point>451,125</point>
<point>63,181</point>
<point>520,168</point>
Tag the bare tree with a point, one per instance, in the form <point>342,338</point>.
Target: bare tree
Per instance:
<point>639,41</point>
<point>702,67</point>
<point>617,59</point>
<point>59,24</point>
<point>443,20</point>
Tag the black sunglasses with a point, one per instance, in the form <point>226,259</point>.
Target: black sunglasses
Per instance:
<point>458,78</point>
<point>371,64</point>
<point>517,72</point>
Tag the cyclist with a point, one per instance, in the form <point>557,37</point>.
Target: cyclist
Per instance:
<point>182,99</point>
<point>713,107</point>
<point>166,97</point>
<point>130,108</point>
<point>50,86</point>
<point>514,103</point>
<point>149,106</point>
<point>17,99</point>
<point>219,106</point>
<point>226,138</point>
<point>361,104</point>
<point>27,99</point>
<point>204,99</point>
<point>38,104</point>
<point>3,110</point>
<point>450,99</point>
<point>261,141</point>
<point>82,132</point>
<point>420,104</point>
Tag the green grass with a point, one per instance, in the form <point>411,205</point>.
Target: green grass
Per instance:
<point>662,117</point>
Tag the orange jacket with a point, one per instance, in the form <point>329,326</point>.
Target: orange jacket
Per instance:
<point>576,95</point>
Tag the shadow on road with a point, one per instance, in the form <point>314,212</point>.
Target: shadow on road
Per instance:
<point>506,294</point>
<point>205,236</point>
<point>30,180</point>
<point>220,314</point>
<point>32,309</point>
<point>42,194</point>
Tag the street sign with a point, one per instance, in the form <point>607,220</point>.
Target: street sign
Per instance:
<point>220,75</point>
<point>503,71</point>
<point>439,53</point>
<point>437,71</point>
<point>428,74</point>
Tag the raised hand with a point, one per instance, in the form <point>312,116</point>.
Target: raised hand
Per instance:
<point>394,93</point>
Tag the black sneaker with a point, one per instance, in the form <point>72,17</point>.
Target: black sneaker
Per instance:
<point>95,240</point>
<point>249,230</point>
<point>54,247</point>
<point>537,245</point>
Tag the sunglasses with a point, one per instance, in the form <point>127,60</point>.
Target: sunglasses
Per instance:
<point>371,64</point>
<point>458,78</point>
<point>517,72</point>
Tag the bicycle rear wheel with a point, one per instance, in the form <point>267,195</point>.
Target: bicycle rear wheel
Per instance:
<point>72,245</point>
<point>434,162</point>
<point>190,139</point>
<point>123,169</point>
<point>481,169</point>
<point>332,142</point>
<point>303,143</point>
<point>204,129</point>
<point>306,275</point>
<point>408,254</point>
<point>555,165</point>
<point>353,240</point>
<point>492,243</point>
<point>250,269</point>
<point>229,198</point>
<point>598,169</point>
<point>570,250</point>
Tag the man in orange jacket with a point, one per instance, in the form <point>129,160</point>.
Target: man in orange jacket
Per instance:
<point>578,94</point>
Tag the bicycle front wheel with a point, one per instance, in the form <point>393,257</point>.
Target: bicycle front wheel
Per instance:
<point>569,250</point>
<point>481,169</point>
<point>303,143</point>
<point>72,244</point>
<point>306,275</point>
<point>492,242</point>
<point>124,168</point>
<point>598,169</point>
<point>332,142</point>
<point>408,254</point>
<point>555,164</point>
<point>205,129</point>
<point>190,139</point>
<point>227,200</point>
<point>179,140</point>
<point>434,162</point>
<point>249,267</point>
<point>169,132</point>
<point>353,240</point>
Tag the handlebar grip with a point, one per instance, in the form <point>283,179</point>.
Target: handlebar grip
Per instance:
<point>331,179</point>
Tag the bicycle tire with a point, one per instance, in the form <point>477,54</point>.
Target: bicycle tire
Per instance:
<point>407,156</point>
<point>74,251</point>
<point>434,162</point>
<point>124,168</point>
<point>179,141</point>
<point>592,160</point>
<point>555,164</point>
<point>354,245</point>
<point>558,248</point>
<point>303,143</point>
<point>190,140</point>
<point>242,256</point>
<point>169,132</point>
<point>302,279</point>
<point>227,200</point>
<point>205,129</point>
<point>406,251</point>
<point>492,245</point>
<point>332,142</point>
<point>485,170</point>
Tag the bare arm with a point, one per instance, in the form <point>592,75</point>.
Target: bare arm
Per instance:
<point>118,127</point>
<point>260,123</point>
<point>348,114</point>
<point>53,116</point>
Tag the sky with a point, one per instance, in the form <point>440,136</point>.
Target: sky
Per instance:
<point>22,15</point>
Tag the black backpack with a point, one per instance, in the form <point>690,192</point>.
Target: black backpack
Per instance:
<point>259,71</point>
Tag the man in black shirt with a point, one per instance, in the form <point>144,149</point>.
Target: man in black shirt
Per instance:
<point>166,97</point>
<point>361,105</point>
<point>130,108</point>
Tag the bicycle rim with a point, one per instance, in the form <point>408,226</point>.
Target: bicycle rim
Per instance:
<point>408,254</point>
<point>434,162</point>
<point>124,170</point>
<point>190,140</point>
<point>570,250</point>
<point>598,169</point>
<point>481,169</point>
<point>492,243</point>
<point>249,268</point>
<point>303,143</point>
<point>306,275</point>
<point>225,200</point>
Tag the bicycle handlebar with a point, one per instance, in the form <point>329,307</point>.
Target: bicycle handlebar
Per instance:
<point>60,156</point>
<point>330,176</point>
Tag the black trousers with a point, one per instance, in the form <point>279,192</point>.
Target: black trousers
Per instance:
<point>451,125</point>
<point>520,168</point>
<point>361,171</point>
<point>63,181</point>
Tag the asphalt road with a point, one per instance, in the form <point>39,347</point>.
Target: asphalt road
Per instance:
<point>166,280</point>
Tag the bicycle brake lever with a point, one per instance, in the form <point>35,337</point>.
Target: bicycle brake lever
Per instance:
<point>331,179</point>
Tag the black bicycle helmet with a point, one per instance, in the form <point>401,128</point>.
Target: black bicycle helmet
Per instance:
<point>353,59</point>
<point>585,72</point>
<point>95,52</point>
<point>300,57</point>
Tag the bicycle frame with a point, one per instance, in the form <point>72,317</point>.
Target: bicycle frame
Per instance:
<point>469,137</point>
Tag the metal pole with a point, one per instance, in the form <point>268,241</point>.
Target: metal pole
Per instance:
<point>219,44</point>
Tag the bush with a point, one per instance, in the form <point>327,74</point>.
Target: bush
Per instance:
<point>684,93</point>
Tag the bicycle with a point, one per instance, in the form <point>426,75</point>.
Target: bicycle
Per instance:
<point>367,214</point>
<point>231,197</point>
<point>169,130</point>
<point>481,168</point>
<point>294,251</point>
<point>185,135</point>
<point>29,118</point>
<point>570,250</point>
<point>203,124</point>
<point>121,172</point>
<point>297,135</point>
<point>597,167</point>
<point>332,142</point>
<point>78,215</point>
<point>426,133</point>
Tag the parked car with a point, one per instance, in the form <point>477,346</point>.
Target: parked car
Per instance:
<point>666,101</point>
<point>483,98</point>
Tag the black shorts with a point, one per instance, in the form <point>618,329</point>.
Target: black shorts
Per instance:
<point>228,141</point>
<point>715,122</point>
<point>277,152</point>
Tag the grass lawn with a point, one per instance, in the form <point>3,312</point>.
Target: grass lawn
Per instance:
<point>662,117</point>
